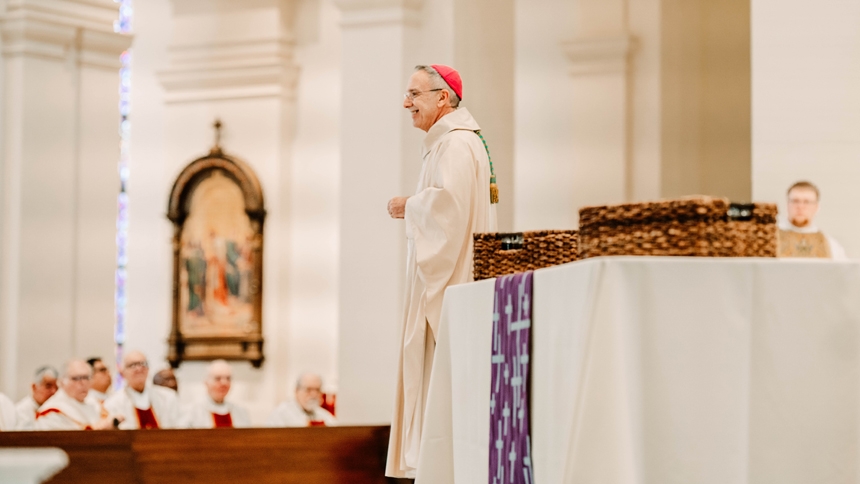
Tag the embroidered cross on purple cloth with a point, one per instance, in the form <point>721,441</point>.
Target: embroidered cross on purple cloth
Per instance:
<point>510,439</point>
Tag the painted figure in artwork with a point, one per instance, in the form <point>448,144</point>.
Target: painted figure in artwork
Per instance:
<point>195,266</point>
<point>217,260</point>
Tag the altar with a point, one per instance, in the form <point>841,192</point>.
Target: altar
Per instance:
<point>663,370</point>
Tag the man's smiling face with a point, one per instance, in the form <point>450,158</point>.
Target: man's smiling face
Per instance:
<point>425,104</point>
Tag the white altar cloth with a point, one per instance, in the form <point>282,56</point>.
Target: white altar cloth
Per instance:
<point>31,465</point>
<point>663,370</point>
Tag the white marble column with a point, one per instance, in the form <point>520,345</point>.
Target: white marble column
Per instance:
<point>378,38</point>
<point>600,71</point>
<point>660,100</point>
<point>59,183</point>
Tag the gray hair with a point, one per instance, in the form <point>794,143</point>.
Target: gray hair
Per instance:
<point>45,370</point>
<point>68,365</point>
<point>307,374</point>
<point>438,82</point>
<point>216,363</point>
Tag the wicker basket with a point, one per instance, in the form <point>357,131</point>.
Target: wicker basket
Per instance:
<point>497,254</point>
<point>701,226</point>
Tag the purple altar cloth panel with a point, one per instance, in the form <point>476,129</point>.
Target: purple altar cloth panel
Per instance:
<point>510,439</point>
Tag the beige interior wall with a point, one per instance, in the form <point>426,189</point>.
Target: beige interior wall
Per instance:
<point>706,141</point>
<point>484,55</point>
<point>59,184</point>
<point>726,163</point>
<point>806,107</point>
<point>546,191</point>
<point>629,100</point>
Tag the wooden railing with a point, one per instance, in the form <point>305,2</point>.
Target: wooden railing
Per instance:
<point>348,455</point>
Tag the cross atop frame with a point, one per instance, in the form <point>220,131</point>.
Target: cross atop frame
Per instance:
<point>216,148</point>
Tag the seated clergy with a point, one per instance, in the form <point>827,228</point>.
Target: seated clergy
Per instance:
<point>216,412</point>
<point>43,387</point>
<point>101,382</point>
<point>800,237</point>
<point>166,378</point>
<point>305,410</point>
<point>68,409</point>
<point>142,406</point>
<point>8,416</point>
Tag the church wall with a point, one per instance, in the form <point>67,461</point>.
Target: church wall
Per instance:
<point>375,157</point>
<point>60,149</point>
<point>484,54</point>
<point>547,189</point>
<point>150,177</point>
<point>616,101</point>
<point>315,195</point>
<point>806,107</point>
<point>45,283</point>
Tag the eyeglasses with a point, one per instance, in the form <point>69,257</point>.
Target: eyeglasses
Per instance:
<point>411,95</point>
<point>137,364</point>
<point>79,378</point>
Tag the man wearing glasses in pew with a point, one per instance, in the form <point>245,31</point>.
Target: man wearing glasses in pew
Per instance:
<point>68,409</point>
<point>142,406</point>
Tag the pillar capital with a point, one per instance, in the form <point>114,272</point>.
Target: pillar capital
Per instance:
<point>230,70</point>
<point>54,31</point>
<point>211,58</point>
<point>363,13</point>
<point>599,55</point>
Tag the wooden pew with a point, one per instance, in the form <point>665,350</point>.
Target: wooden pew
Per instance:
<point>354,455</point>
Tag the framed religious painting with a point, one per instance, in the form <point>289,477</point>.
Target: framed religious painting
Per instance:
<point>217,209</point>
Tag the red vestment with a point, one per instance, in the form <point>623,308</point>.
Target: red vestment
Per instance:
<point>146,418</point>
<point>222,421</point>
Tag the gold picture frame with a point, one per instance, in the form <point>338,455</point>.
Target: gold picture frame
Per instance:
<point>218,214</point>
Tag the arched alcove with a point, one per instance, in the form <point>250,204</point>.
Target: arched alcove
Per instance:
<point>218,213</point>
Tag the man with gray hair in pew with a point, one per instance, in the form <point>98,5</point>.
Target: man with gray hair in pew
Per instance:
<point>68,409</point>
<point>305,410</point>
<point>216,411</point>
<point>143,406</point>
<point>43,387</point>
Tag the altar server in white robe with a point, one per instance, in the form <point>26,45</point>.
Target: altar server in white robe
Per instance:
<point>42,388</point>
<point>68,409</point>
<point>799,236</point>
<point>305,410</point>
<point>8,415</point>
<point>455,198</point>
<point>216,411</point>
<point>142,406</point>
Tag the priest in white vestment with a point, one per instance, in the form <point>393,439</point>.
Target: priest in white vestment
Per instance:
<point>454,199</point>
<point>216,411</point>
<point>42,388</point>
<point>143,406</point>
<point>799,236</point>
<point>100,386</point>
<point>8,415</point>
<point>305,410</point>
<point>68,409</point>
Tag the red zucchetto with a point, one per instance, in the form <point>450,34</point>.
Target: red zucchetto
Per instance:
<point>452,77</point>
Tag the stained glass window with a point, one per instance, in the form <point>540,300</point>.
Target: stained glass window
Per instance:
<point>123,25</point>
